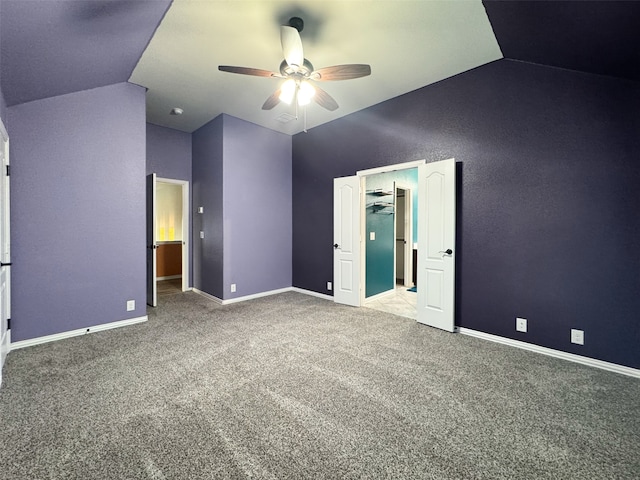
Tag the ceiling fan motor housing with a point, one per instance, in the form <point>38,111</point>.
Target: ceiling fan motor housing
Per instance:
<point>303,71</point>
<point>297,23</point>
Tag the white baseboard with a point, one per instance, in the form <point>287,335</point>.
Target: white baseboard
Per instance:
<point>312,293</point>
<point>572,357</point>
<point>241,299</point>
<point>261,294</point>
<point>75,333</point>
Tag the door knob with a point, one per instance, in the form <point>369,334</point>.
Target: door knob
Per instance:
<point>336,246</point>
<point>448,251</point>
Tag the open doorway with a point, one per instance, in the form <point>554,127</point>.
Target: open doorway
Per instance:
<point>388,241</point>
<point>358,217</point>
<point>169,215</point>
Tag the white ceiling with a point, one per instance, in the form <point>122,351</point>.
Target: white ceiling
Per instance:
<point>409,44</point>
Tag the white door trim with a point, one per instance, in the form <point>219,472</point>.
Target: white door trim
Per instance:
<point>408,232</point>
<point>186,232</point>
<point>390,168</point>
<point>363,226</point>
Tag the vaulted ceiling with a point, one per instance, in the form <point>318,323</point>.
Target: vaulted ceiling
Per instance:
<point>54,47</point>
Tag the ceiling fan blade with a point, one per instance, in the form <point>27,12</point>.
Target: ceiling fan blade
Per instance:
<point>325,100</point>
<point>256,72</point>
<point>291,46</point>
<point>272,101</point>
<point>341,72</point>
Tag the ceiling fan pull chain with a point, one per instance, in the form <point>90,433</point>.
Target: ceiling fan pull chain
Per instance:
<point>304,113</point>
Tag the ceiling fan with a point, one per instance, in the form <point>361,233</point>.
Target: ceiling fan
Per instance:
<point>298,72</point>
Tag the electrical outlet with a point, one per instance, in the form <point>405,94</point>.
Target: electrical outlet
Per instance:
<point>201,234</point>
<point>131,305</point>
<point>329,286</point>
<point>521,324</point>
<point>233,287</point>
<point>577,336</point>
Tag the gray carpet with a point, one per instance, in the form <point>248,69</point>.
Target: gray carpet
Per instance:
<point>293,386</point>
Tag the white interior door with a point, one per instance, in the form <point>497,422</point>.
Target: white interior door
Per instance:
<point>5,250</point>
<point>436,244</point>
<point>152,288</point>
<point>346,231</point>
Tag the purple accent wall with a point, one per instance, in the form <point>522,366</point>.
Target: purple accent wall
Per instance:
<point>56,47</point>
<point>257,208</point>
<point>78,210</point>
<point>169,156</point>
<point>207,193</point>
<point>548,197</point>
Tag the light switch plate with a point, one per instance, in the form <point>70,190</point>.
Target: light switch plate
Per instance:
<point>200,209</point>
<point>201,234</point>
<point>372,235</point>
<point>131,305</point>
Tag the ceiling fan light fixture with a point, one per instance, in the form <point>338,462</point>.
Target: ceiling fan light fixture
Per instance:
<point>305,93</point>
<point>288,91</point>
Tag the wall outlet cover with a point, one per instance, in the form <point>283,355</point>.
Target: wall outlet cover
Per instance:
<point>372,235</point>
<point>131,305</point>
<point>233,287</point>
<point>329,286</point>
<point>577,336</point>
<point>521,324</point>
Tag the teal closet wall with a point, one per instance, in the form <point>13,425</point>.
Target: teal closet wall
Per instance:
<point>380,276</point>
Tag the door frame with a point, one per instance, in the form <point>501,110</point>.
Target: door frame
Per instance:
<point>363,229</point>
<point>186,232</point>
<point>408,233</point>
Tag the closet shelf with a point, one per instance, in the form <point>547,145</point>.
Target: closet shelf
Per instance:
<point>382,207</point>
<point>379,192</point>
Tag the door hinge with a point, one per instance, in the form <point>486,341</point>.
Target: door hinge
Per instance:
<point>8,170</point>
<point>8,324</point>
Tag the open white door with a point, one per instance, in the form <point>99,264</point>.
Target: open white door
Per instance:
<point>436,244</point>
<point>346,231</point>
<point>5,250</point>
<point>152,288</point>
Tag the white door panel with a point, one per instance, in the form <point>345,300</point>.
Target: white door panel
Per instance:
<point>436,235</point>
<point>5,249</point>
<point>346,231</point>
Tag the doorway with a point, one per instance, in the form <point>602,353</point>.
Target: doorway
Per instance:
<point>168,221</point>
<point>436,196</point>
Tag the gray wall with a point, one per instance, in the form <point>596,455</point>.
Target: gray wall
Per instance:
<point>78,210</point>
<point>169,156</point>
<point>207,193</point>
<point>242,178</point>
<point>548,198</point>
<point>257,208</point>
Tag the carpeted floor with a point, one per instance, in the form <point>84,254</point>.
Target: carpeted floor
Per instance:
<point>292,386</point>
